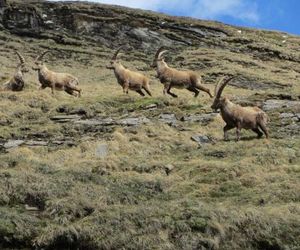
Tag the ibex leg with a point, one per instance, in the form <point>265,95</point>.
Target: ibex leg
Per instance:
<point>167,89</point>
<point>125,87</point>
<point>225,129</point>
<point>146,88</point>
<point>140,92</point>
<point>192,89</point>
<point>238,132</point>
<point>258,132</point>
<point>200,87</point>
<point>264,129</point>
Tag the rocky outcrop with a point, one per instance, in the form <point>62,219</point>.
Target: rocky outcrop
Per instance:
<point>102,24</point>
<point>22,20</point>
<point>3,3</point>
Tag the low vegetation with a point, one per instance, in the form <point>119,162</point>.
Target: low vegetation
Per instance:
<point>116,171</point>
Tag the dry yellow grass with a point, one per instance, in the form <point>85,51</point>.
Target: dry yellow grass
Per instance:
<point>155,188</point>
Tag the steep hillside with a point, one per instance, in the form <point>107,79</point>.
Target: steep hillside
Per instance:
<point>111,171</point>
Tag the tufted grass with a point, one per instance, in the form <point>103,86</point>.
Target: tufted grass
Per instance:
<point>227,195</point>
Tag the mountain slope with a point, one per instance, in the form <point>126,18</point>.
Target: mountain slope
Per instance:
<point>109,171</point>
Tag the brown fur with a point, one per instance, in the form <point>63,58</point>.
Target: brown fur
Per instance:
<point>129,79</point>
<point>58,81</point>
<point>173,78</point>
<point>17,83</point>
<point>239,117</point>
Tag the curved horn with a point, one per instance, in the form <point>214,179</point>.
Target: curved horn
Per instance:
<point>116,53</point>
<point>158,52</point>
<point>40,57</point>
<point>161,53</point>
<point>223,85</point>
<point>21,58</point>
<point>218,84</point>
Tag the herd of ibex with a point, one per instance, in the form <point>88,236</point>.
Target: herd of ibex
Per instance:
<point>235,116</point>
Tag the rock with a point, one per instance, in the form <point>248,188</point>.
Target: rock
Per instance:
<point>31,208</point>
<point>151,107</point>
<point>201,139</point>
<point>203,118</point>
<point>169,168</point>
<point>78,111</point>
<point>65,118</point>
<point>95,122</point>
<point>56,142</point>
<point>36,143</point>
<point>89,122</point>
<point>286,115</point>
<point>62,109</point>
<point>3,3</point>
<point>217,154</point>
<point>133,121</point>
<point>290,116</point>
<point>254,84</point>
<point>278,104</point>
<point>13,144</point>
<point>198,31</point>
<point>170,119</point>
<point>109,122</point>
<point>101,150</point>
<point>63,142</point>
<point>39,135</point>
<point>24,21</point>
<point>105,25</point>
<point>282,96</point>
<point>292,129</point>
<point>149,37</point>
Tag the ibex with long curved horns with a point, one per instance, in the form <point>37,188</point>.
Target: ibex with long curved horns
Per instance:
<point>55,81</point>
<point>237,116</point>
<point>17,83</point>
<point>173,78</point>
<point>129,79</point>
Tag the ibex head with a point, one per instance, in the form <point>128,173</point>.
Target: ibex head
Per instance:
<point>22,64</point>
<point>218,100</point>
<point>158,56</point>
<point>114,62</point>
<point>39,61</point>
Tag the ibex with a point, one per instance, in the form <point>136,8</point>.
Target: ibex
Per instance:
<point>173,78</point>
<point>53,80</point>
<point>237,116</point>
<point>129,79</point>
<point>16,83</point>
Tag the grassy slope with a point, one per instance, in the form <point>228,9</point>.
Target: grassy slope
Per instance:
<point>228,195</point>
